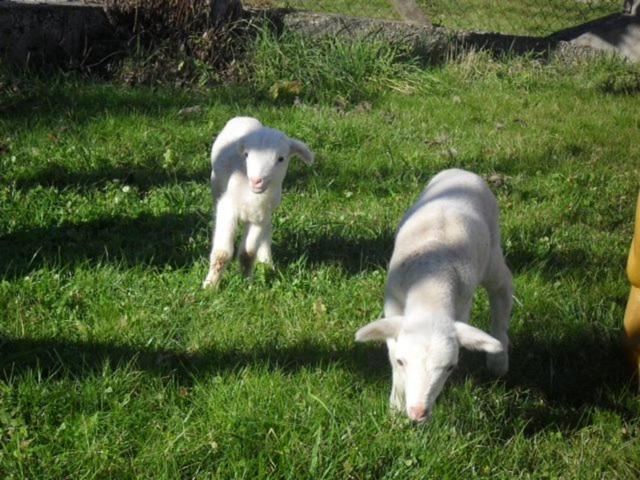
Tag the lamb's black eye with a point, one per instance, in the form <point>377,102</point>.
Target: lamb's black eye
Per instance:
<point>246,154</point>
<point>450,368</point>
<point>400,362</point>
<point>281,159</point>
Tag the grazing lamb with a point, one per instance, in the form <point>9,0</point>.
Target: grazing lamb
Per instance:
<point>447,244</point>
<point>249,162</point>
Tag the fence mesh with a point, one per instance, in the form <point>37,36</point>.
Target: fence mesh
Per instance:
<point>518,17</point>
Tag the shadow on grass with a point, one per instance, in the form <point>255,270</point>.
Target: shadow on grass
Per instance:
<point>354,255</point>
<point>558,383</point>
<point>162,240</point>
<point>174,240</point>
<point>54,102</point>
<point>554,262</point>
<point>170,240</point>
<point>55,358</point>
<point>59,176</point>
<point>568,379</point>
<point>142,177</point>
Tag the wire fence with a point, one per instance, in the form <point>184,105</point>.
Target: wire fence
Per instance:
<point>518,17</point>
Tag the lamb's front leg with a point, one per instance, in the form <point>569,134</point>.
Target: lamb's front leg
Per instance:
<point>392,308</point>
<point>501,301</point>
<point>222,248</point>
<point>396,399</point>
<point>264,244</point>
<point>256,244</point>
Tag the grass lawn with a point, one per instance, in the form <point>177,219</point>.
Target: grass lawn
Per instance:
<point>520,17</point>
<point>115,364</point>
<point>358,8</point>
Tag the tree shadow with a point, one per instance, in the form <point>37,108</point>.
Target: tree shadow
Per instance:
<point>51,101</point>
<point>173,240</point>
<point>354,255</point>
<point>153,240</point>
<point>170,239</point>
<point>568,379</point>
<point>144,178</point>
<point>61,358</point>
<point>557,383</point>
<point>553,261</point>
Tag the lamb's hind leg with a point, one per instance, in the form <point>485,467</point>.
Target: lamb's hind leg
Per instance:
<point>500,290</point>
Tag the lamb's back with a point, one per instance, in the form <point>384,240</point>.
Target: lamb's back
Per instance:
<point>453,222</point>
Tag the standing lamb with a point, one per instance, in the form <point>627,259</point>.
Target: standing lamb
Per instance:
<point>249,163</point>
<point>447,244</point>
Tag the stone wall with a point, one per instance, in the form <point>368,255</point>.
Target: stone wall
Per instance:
<point>53,33</point>
<point>78,32</point>
<point>66,32</point>
<point>615,34</point>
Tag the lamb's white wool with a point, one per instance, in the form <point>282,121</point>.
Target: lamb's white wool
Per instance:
<point>249,163</point>
<point>447,244</point>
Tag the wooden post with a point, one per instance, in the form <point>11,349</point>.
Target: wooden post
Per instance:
<point>632,313</point>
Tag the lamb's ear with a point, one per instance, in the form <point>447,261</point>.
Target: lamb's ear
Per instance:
<point>475,339</point>
<point>379,329</point>
<point>296,147</point>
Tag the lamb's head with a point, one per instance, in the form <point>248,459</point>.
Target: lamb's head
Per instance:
<point>423,352</point>
<point>266,152</point>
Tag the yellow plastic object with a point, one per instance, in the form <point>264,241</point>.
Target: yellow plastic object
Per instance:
<point>632,314</point>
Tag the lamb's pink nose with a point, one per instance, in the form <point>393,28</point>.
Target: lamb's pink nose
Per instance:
<point>256,182</point>
<point>418,414</point>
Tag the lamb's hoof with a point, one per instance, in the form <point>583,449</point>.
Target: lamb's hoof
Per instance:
<point>210,283</point>
<point>217,264</point>
<point>498,363</point>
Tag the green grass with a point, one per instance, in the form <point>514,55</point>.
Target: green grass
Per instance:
<point>521,17</point>
<point>359,8</point>
<point>328,70</point>
<point>115,364</point>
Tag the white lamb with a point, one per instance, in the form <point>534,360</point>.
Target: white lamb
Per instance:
<point>249,162</point>
<point>447,244</point>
